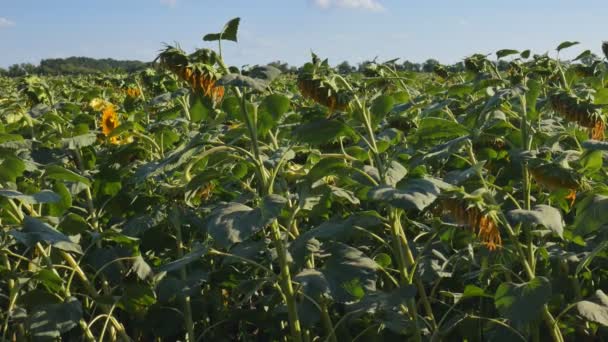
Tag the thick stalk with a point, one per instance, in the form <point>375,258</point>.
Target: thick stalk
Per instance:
<point>190,337</point>
<point>286,286</point>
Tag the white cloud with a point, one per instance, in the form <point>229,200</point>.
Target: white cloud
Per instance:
<point>6,23</point>
<point>370,5</point>
<point>170,3</point>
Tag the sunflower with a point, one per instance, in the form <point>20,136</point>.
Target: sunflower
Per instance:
<point>471,216</point>
<point>109,121</point>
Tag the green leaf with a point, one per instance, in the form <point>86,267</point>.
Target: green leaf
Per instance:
<point>35,231</point>
<point>596,311</point>
<point>136,298</point>
<point>589,257</point>
<point>326,167</point>
<point>198,110</point>
<point>416,193</point>
<point>472,291</point>
<point>505,52</point>
<point>591,214</point>
<point>57,172</point>
<point>11,168</point>
<point>232,223</point>
<point>378,302</point>
<point>322,131</point>
<point>44,196</point>
<point>591,161</point>
<point>229,32</point>
<point>332,230</point>
<point>49,321</point>
<point>195,254</point>
<point>270,111</point>
<point>433,130</point>
<point>232,106</point>
<point>395,172</point>
<point>381,106</point>
<point>72,224</point>
<point>601,96</point>
<point>349,273</point>
<point>565,45</point>
<point>522,303</point>
<point>80,141</point>
<point>542,215</point>
<point>316,287</point>
<point>65,202</point>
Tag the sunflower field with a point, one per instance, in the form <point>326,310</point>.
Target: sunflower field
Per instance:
<point>197,201</point>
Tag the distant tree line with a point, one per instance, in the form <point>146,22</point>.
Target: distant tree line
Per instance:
<point>73,66</point>
<point>86,65</point>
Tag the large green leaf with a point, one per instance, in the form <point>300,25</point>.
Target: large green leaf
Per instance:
<point>270,111</point>
<point>542,215</point>
<point>232,223</point>
<point>229,32</point>
<point>433,130</point>
<point>381,106</point>
<point>57,172</point>
<point>349,273</point>
<point>595,311</point>
<point>591,214</point>
<point>522,303</point>
<point>49,321</point>
<point>322,131</point>
<point>35,231</point>
<point>416,193</point>
<point>332,230</point>
<point>44,196</point>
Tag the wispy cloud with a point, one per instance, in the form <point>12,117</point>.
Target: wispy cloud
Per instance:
<point>369,5</point>
<point>170,3</point>
<point>4,22</point>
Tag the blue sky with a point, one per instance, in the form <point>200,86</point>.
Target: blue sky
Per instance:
<point>288,30</point>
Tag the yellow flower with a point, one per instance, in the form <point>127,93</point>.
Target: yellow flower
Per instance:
<point>109,121</point>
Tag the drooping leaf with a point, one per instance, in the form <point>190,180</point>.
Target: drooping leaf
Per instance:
<point>349,273</point>
<point>595,311</point>
<point>49,321</point>
<point>44,196</point>
<point>542,215</point>
<point>232,223</point>
<point>35,231</point>
<point>57,172</point>
<point>416,193</point>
